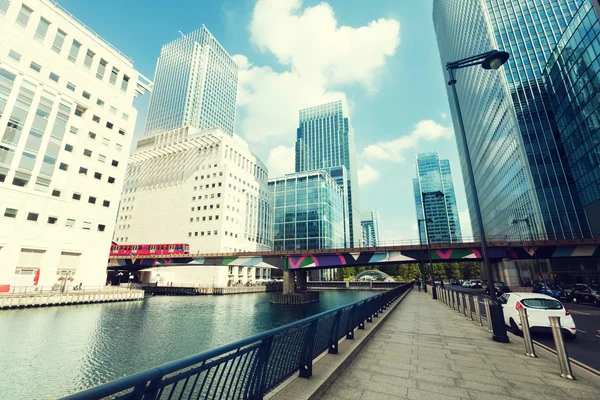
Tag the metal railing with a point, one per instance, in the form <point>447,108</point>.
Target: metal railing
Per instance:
<point>58,288</point>
<point>251,367</point>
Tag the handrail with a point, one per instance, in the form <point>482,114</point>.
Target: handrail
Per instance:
<point>261,362</point>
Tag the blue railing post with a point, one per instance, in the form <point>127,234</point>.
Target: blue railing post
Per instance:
<point>334,334</point>
<point>260,370</point>
<point>350,326</point>
<point>152,390</point>
<point>307,350</point>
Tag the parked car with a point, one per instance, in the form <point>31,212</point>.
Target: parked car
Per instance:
<point>582,293</point>
<point>466,284</point>
<point>476,284</point>
<point>501,288</point>
<point>550,289</point>
<point>455,282</point>
<point>539,308</point>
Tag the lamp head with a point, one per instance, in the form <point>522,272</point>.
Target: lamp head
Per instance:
<point>495,60</point>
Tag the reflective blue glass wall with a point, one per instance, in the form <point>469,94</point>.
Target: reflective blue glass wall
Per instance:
<point>501,169</point>
<point>309,211</point>
<point>573,82</point>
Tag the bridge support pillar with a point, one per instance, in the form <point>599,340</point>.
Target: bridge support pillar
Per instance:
<point>289,282</point>
<point>301,278</point>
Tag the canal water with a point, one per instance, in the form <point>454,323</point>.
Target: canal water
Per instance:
<point>46,353</point>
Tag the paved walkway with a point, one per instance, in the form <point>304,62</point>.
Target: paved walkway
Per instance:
<point>425,350</point>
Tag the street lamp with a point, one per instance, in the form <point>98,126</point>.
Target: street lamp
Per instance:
<point>419,220</point>
<point>438,195</point>
<point>491,60</point>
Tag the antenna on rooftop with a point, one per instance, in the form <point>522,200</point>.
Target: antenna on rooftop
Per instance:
<point>181,33</point>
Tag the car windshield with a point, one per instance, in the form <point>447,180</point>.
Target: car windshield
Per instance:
<point>542,304</point>
<point>500,284</point>
<point>595,288</point>
<point>552,286</point>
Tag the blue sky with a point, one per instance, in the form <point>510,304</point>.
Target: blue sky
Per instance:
<point>381,57</point>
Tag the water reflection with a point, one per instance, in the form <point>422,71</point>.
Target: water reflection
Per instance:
<point>49,352</point>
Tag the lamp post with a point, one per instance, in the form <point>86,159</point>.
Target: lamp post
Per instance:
<point>491,60</point>
<point>421,263</point>
<point>438,195</point>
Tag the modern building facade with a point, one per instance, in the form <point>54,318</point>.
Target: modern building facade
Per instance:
<point>204,188</point>
<point>370,229</point>
<point>195,85</point>
<point>325,139</point>
<point>500,162</point>
<point>435,200</point>
<point>66,124</point>
<point>309,211</point>
<point>572,79</point>
<point>528,30</point>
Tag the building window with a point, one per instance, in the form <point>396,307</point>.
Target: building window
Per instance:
<point>112,180</point>
<point>113,76</point>
<point>89,58</point>
<point>68,148</point>
<point>122,132</point>
<point>113,110</point>
<point>86,95</point>
<point>83,170</point>
<point>74,52</point>
<point>101,69</point>
<point>125,117</point>
<point>86,225</point>
<point>125,83</point>
<point>76,196</point>
<point>71,86</point>
<point>56,193</point>
<point>87,153</point>
<point>106,203</point>
<point>4,6</point>
<point>109,125</point>
<point>63,166</point>
<point>92,135</point>
<point>80,110</point>
<point>24,15</point>
<point>118,147</point>
<point>96,119</point>
<point>59,39</point>
<point>101,228</point>
<point>32,217</point>
<point>92,200</point>
<point>97,175</point>
<point>36,67</point>
<point>101,158</point>
<point>100,102</point>
<point>11,213</point>
<point>14,55</point>
<point>52,220</point>
<point>105,141</point>
<point>54,77</point>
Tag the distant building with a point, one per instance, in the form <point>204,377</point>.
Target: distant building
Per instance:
<point>434,176</point>
<point>195,85</point>
<point>325,139</point>
<point>66,110</point>
<point>370,229</point>
<point>571,77</point>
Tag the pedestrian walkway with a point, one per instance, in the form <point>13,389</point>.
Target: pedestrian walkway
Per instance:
<point>425,350</point>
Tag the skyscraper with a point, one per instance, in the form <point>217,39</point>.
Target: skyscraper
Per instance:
<point>325,139</point>
<point>434,176</point>
<point>195,85</point>
<point>528,30</point>
<point>370,229</point>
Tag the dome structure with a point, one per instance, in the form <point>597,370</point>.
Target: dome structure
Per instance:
<point>373,275</point>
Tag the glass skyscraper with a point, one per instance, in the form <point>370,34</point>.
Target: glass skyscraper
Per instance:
<point>516,162</point>
<point>573,83</point>
<point>325,139</point>
<point>195,84</point>
<point>434,175</point>
<point>370,229</point>
<point>309,211</point>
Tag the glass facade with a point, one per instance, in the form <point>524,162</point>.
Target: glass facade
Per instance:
<point>309,211</point>
<point>573,82</point>
<point>500,164</point>
<point>370,229</point>
<point>325,139</point>
<point>195,84</point>
<point>529,30</point>
<point>433,176</point>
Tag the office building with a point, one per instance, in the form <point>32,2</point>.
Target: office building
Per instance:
<point>195,85</point>
<point>309,211</point>
<point>67,123</point>
<point>435,200</point>
<point>572,77</point>
<point>500,163</point>
<point>370,229</point>
<point>204,188</point>
<point>528,31</point>
<point>325,139</point>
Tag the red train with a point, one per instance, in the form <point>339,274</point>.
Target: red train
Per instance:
<point>148,249</point>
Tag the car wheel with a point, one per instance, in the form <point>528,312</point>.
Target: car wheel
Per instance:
<point>574,300</point>
<point>570,338</point>
<point>514,328</point>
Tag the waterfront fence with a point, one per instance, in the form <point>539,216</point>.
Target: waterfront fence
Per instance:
<point>249,368</point>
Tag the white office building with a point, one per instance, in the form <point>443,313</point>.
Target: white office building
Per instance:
<point>66,123</point>
<point>195,84</point>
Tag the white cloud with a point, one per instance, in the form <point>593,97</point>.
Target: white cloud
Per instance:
<point>465,224</point>
<point>280,161</point>
<point>395,150</point>
<point>318,56</point>
<point>367,174</point>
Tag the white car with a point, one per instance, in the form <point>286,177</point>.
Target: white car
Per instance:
<point>466,284</point>
<point>539,308</point>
